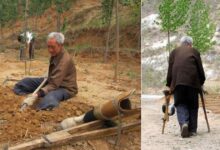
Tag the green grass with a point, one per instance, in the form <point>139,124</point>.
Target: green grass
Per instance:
<point>132,74</point>
<point>2,49</point>
<point>79,48</point>
<point>96,23</point>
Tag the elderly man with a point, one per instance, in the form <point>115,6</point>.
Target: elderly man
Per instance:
<point>185,78</point>
<point>61,83</point>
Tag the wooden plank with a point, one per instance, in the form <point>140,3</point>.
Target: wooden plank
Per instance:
<point>84,126</point>
<point>56,136</point>
<point>64,135</point>
<point>29,145</point>
<point>94,134</point>
<point>60,134</point>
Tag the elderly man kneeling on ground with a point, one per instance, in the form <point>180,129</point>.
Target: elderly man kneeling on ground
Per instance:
<point>61,82</point>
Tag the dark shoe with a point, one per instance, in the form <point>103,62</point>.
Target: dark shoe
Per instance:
<point>185,131</point>
<point>192,134</point>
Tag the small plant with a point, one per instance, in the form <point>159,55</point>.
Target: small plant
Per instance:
<point>64,26</point>
<point>96,23</point>
<point>78,48</point>
<point>82,46</point>
<point>131,74</point>
<point>49,19</point>
<point>2,49</point>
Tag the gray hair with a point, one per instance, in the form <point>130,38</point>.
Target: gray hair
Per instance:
<point>59,37</point>
<point>186,40</point>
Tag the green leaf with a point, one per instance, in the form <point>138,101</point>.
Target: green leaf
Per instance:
<point>201,28</point>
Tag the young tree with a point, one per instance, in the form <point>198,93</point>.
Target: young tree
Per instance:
<point>37,8</point>
<point>201,29</point>
<point>61,6</point>
<point>8,11</point>
<point>117,41</point>
<point>107,7</point>
<point>173,14</point>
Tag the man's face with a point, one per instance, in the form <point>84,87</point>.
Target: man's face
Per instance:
<point>53,47</point>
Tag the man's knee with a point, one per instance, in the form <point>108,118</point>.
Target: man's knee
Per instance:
<point>48,102</point>
<point>27,85</point>
<point>22,87</point>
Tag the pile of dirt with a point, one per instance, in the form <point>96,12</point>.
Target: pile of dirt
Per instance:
<point>17,126</point>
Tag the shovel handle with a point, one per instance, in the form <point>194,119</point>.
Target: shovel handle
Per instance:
<point>40,86</point>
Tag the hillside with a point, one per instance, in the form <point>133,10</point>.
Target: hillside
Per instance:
<point>155,56</point>
<point>82,26</point>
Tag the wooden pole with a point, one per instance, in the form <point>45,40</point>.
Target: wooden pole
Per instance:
<point>108,34</point>
<point>107,41</point>
<point>2,36</point>
<point>204,110</point>
<point>117,43</point>
<point>168,35</point>
<point>58,21</point>
<point>25,34</point>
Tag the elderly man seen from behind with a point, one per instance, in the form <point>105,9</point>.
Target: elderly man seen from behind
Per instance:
<point>185,78</point>
<point>61,82</point>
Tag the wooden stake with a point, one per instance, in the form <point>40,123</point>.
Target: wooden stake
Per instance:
<point>108,36</point>
<point>25,34</point>
<point>29,71</point>
<point>117,43</point>
<point>25,67</point>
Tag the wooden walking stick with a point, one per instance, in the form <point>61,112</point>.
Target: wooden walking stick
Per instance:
<point>204,109</point>
<point>166,115</point>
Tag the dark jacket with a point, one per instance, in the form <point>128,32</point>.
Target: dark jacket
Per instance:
<point>62,74</point>
<point>185,68</point>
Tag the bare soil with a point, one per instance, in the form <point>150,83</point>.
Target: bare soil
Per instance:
<point>96,85</point>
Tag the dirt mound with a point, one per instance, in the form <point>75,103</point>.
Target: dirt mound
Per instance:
<point>16,126</point>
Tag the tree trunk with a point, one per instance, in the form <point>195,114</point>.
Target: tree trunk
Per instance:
<point>19,7</point>
<point>107,41</point>
<point>168,44</point>
<point>58,21</point>
<point>26,29</point>
<point>168,35</point>
<point>117,43</point>
<point>2,36</point>
<point>35,24</point>
<point>108,36</point>
<point>13,31</point>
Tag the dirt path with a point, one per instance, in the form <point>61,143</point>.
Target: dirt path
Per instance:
<point>152,139</point>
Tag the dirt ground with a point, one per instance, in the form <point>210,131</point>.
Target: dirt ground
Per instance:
<point>152,139</point>
<point>96,85</point>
